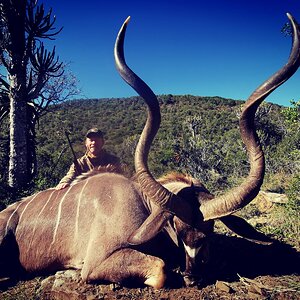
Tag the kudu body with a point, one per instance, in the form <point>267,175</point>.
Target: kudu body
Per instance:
<point>109,226</point>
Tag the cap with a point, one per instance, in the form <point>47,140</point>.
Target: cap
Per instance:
<point>94,132</point>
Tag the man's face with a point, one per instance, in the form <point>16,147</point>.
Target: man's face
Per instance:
<point>94,145</point>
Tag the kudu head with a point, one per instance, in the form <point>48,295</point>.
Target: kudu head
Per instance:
<point>200,213</point>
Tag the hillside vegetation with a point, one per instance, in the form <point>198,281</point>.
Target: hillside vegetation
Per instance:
<point>198,135</point>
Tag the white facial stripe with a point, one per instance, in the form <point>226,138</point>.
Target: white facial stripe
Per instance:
<point>192,252</point>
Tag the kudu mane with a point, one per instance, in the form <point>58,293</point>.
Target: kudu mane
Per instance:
<point>179,177</point>
<point>173,177</point>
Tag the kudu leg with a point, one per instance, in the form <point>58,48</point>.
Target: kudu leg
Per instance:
<point>126,264</point>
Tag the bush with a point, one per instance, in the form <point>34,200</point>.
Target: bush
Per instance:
<point>285,222</point>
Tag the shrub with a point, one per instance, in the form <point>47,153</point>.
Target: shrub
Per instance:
<point>285,221</point>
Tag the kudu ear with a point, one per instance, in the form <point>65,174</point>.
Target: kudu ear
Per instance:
<point>151,227</point>
<point>245,230</point>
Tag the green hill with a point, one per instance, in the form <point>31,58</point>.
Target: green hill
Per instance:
<point>198,135</point>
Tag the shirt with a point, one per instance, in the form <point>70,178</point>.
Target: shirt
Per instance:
<point>87,163</point>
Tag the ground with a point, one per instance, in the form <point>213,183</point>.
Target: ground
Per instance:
<point>262,287</point>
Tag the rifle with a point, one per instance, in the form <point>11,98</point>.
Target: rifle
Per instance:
<point>75,161</point>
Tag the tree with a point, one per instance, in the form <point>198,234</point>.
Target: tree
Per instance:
<point>35,78</point>
<point>292,114</point>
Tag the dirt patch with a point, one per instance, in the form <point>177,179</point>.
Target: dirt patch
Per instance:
<point>238,270</point>
<point>262,287</point>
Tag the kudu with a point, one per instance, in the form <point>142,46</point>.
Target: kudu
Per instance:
<point>112,227</point>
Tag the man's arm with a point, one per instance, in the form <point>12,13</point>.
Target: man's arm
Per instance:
<point>66,180</point>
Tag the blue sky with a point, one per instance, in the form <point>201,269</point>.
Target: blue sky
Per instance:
<point>205,48</point>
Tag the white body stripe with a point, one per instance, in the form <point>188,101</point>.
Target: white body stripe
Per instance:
<point>45,204</point>
<point>38,217</point>
<point>8,221</point>
<point>21,215</point>
<point>78,210</point>
<point>59,215</point>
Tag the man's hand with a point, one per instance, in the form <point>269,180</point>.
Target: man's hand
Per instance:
<point>61,186</point>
